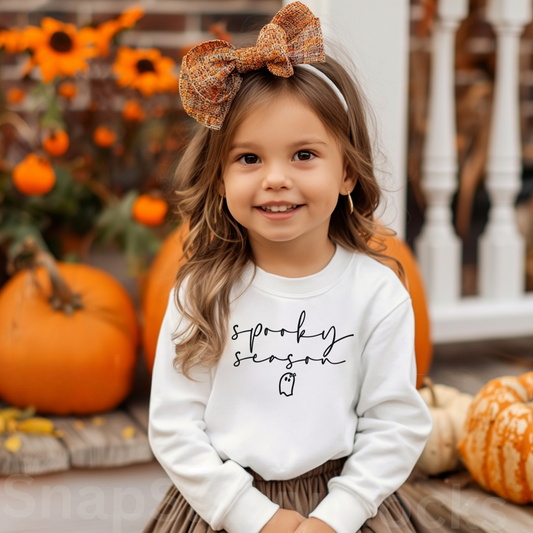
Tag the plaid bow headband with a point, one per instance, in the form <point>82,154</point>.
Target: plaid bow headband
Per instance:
<point>211,72</point>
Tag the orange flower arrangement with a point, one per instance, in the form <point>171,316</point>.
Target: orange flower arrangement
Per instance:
<point>149,210</point>
<point>145,70</point>
<point>15,95</point>
<point>34,175</point>
<point>104,137</point>
<point>133,111</point>
<point>56,143</point>
<point>58,49</point>
<point>67,90</point>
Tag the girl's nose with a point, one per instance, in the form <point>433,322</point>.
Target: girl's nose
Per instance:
<point>276,178</point>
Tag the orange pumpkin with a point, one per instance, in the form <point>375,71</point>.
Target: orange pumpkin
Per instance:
<point>56,143</point>
<point>163,272</point>
<point>73,352</point>
<point>34,175</point>
<point>149,210</point>
<point>423,345</point>
<point>497,444</point>
<point>158,284</point>
<point>104,137</point>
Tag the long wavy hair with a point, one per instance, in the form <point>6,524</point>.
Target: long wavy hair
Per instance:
<point>217,250</point>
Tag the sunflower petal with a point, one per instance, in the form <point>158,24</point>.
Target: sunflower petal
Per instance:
<point>50,25</point>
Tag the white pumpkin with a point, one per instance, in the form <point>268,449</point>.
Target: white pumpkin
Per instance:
<point>448,407</point>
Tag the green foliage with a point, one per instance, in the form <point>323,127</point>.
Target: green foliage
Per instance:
<point>70,205</point>
<point>137,242</point>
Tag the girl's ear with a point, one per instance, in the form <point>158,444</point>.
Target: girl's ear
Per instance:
<point>350,179</point>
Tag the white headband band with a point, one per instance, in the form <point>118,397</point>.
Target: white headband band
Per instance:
<point>320,74</point>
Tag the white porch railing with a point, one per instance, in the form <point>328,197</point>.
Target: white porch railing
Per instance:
<point>502,309</point>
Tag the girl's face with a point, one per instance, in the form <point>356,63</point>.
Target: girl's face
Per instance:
<point>284,174</point>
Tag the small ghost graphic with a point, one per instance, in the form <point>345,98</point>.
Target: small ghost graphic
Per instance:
<point>286,383</point>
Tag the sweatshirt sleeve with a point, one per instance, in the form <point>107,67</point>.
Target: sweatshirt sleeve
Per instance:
<point>221,492</point>
<point>393,427</point>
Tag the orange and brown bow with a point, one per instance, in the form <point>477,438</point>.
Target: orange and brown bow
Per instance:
<point>211,72</point>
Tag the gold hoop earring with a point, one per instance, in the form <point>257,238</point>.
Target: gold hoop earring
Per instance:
<point>350,201</point>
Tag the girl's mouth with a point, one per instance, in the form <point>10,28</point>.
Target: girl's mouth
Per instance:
<point>279,212</point>
<point>278,208</point>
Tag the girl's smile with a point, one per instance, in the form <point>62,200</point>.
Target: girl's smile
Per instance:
<point>282,180</point>
<point>276,211</point>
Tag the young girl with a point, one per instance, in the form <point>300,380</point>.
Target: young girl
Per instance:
<point>283,391</point>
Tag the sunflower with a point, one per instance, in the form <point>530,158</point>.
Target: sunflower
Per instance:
<point>58,48</point>
<point>145,70</point>
<point>102,35</point>
<point>130,16</point>
<point>12,40</point>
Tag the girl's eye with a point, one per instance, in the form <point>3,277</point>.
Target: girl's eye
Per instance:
<point>249,159</point>
<point>303,155</point>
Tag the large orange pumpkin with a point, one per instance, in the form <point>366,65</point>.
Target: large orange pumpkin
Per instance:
<point>423,346</point>
<point>158,284</point>
<point>67,343</point>
<point>163,272</point>
<point>497,444</point>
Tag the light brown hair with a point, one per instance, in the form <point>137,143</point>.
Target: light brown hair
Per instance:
<point>217,248</point>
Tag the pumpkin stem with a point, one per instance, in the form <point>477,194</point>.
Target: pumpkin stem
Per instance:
<point>428,382</point>
<point>62,297</point>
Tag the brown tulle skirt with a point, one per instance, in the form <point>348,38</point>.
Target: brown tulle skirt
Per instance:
<point>301,494</point>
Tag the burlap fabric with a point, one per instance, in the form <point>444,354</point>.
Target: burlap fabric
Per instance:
<point>211,72</point>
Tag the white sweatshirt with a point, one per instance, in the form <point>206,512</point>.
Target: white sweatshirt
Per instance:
<point>315,368</point>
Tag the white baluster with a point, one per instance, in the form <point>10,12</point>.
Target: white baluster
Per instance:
<point>501,247</point>
<point>438,248</point>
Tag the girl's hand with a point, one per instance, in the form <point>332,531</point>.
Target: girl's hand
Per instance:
<point>283,522</point>
<point>314,525</point>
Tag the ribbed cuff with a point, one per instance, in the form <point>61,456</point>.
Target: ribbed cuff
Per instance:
<point>341,510</point>
<point>250,512</point>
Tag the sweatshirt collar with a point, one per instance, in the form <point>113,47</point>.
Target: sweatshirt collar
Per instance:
<point>308,285</point>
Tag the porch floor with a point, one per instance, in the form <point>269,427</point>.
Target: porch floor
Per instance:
<point>467,366</point>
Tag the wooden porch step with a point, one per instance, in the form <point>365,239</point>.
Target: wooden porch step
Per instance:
<point>112,439</point>
<point>39,454</point>
<point>458,504</point>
